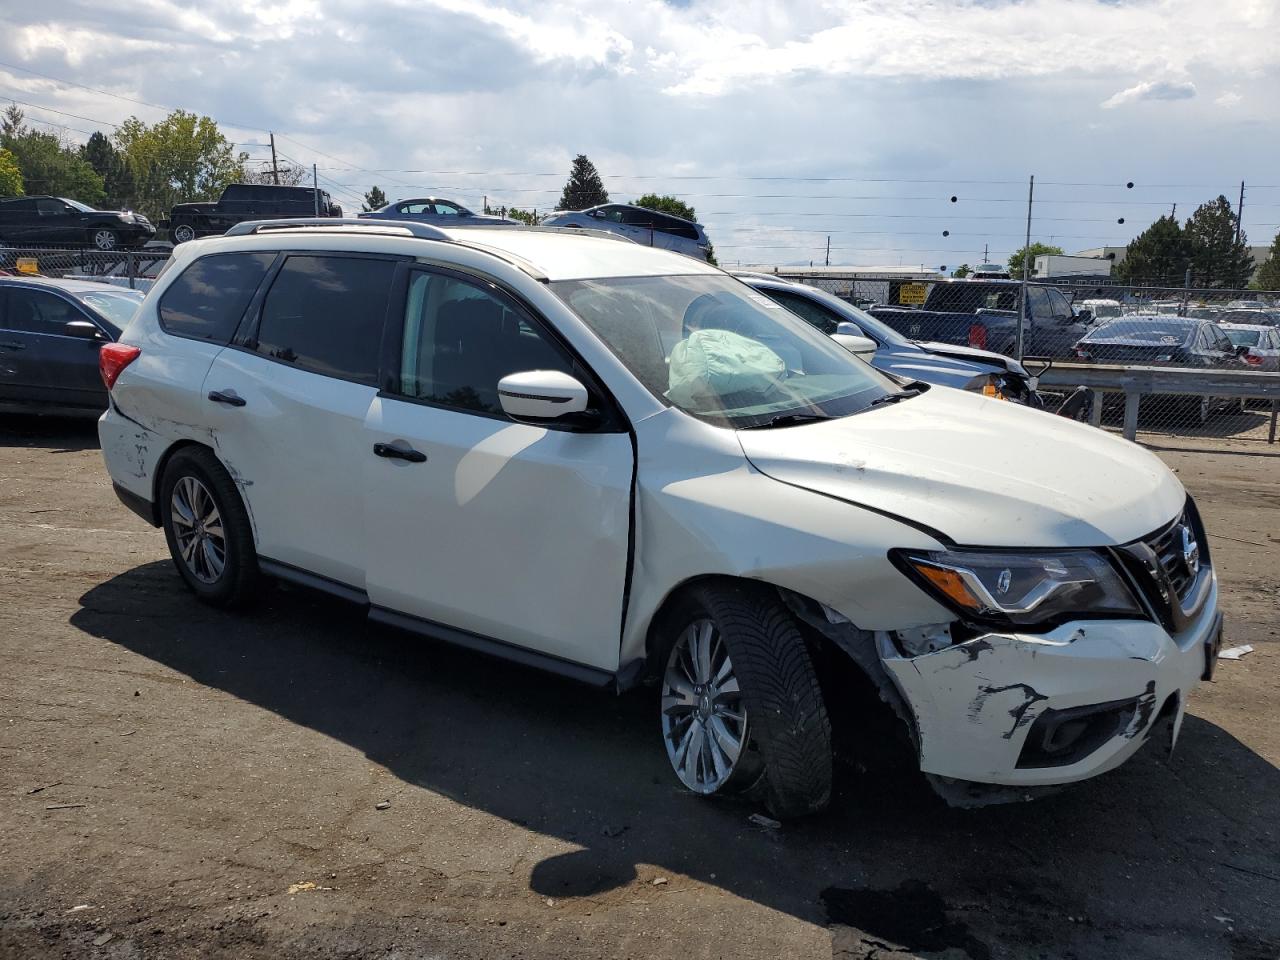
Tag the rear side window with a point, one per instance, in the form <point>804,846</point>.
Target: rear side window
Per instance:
<point>207,301</point>
<point>325,314</point>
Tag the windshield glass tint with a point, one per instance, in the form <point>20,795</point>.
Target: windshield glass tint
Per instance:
<point>719,350</point>
<point>118,308</point>
<point>1145,330</point>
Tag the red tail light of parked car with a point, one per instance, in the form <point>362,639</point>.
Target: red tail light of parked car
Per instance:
<point>978,336</point>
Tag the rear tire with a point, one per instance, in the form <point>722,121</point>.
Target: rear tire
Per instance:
<point>182,233</point>
<point>207,528</point>
<point>785,756</point>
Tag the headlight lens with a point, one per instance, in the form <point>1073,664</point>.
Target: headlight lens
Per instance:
<point>1022,589</point>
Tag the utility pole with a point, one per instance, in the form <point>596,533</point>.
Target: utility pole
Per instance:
<point>1240,213</point>
<point>985,254</point>
<point>1026,275</point>
<point>315,188</point>
<point>828,249</point>
<point>275,169</point>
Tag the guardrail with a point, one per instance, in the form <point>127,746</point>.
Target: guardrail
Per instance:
<point>1135,382</point>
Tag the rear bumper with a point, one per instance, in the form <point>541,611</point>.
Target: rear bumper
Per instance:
<point>1023,710</point>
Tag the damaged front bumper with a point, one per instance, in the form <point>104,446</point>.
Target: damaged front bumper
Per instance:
<point>1056,707</point>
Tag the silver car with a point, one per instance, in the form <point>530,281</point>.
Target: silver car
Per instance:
<point>437,210</point>
<point>1258,345</point>
<point>644,226</point>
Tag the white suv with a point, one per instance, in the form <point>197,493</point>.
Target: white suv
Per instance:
<point>619,464</point>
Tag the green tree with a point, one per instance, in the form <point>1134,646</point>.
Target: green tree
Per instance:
<point>117,179</point>
<point>962,271</point>
<point>375,199</point>
<point>10,175</point>
<point>666,204</point>
<point>584,187</point>
<point>182,158</point>
<point>1158,256</point>
<point>1217,259</point>
<point>48,165</point>
<point>530,217</point>
<point>1268,275</point>
<point>286,174</point>
<point>1036,249</point>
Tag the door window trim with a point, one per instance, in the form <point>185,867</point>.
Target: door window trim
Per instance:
<point>614,418</point>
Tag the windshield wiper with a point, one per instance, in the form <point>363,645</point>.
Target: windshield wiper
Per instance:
<point>788,420</point>
<point>895,397</point>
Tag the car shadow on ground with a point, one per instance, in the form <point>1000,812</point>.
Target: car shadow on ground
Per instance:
<point>59,434</point>
<point>1155,846</point>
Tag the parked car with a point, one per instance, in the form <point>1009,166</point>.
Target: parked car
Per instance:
<point>962,367</point>
<point>50,332</point>
<point>434,210</point>
<point>1258,346</point>
<point>1249,315</point>
<point>241,202</point>
<point>985,313</point>
<point>619,464</point>
<point>55,221</point>
<point>1100,309</point>
<point>640,224</point>
<point>1170,341</point>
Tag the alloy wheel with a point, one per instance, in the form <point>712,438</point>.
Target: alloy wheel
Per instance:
<point>104,239</point>
<point>184,233</point>
<point>197,527</point>
<point>704,721</point>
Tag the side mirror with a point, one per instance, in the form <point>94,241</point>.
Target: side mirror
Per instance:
<point>861,347</point>
<point>849,329</point>
<point>543,397</point>
<point>83,329</point>
<point>1084,316</point>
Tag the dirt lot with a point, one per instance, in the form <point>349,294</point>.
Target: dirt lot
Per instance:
<point>177,782</point>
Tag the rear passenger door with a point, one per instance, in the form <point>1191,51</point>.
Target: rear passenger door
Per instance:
<point>287,403</point>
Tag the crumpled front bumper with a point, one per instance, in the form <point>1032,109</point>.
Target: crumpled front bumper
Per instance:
<point>976,704</point>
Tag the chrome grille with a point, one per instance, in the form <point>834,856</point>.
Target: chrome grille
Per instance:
<point>1168,550</point>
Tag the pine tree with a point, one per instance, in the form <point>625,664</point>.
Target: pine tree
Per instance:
<point>1268,275</point>
<point>584,188</point>
<point>117,178</point>
<point>1159,256</point>
<point>375,199</point>
<point>1217,259</point>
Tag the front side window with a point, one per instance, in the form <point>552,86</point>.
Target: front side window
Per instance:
<point>208,299</point>
<point>51,208</point>
<point>325,314</point>
<point>716,349</point>
<point>806,310</point>
<point>461,338</point>
<point>34,311</point>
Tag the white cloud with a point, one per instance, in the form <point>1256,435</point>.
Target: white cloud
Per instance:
<point>1229,98</point>
<point>1151,90</point>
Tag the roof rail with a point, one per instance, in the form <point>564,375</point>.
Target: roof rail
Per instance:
<point>423,231</point>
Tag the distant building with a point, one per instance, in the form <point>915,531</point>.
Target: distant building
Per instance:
<point>1116,254</point>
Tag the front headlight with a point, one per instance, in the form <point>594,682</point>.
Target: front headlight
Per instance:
<point>1022,589</point>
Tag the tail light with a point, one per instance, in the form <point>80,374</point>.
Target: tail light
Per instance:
<point>978,336</point>
<point>1252,358</point>
<point>114,357</point>
<point>1082,353</point>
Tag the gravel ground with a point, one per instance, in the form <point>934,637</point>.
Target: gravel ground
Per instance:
<point>178,782</point>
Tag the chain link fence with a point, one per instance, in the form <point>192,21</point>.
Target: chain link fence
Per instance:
<point>1102,333</point>
<point>135,269</point>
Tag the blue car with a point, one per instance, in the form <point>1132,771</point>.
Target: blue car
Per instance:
<point>437,210</point>
<point>946,364</point>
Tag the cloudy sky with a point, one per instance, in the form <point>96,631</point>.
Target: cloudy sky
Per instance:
<point>781,123</point>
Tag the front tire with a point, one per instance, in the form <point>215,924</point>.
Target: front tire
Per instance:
<point>207,529</point>
<point>104,239</point>
<point>741,708</point>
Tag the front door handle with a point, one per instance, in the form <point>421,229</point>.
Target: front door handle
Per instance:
<point>399,453</point>
<point>217,396</point>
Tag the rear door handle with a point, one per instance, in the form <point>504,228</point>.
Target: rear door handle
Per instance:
<point>399,453</point>
<point>217,396</point>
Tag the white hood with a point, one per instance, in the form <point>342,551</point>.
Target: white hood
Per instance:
<point>982,472</point>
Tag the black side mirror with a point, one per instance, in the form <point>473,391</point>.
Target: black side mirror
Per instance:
<point>84,330</point>
<point>1085,316</point>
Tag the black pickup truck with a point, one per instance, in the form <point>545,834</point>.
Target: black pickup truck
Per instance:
<point>247,201</point>
<point>984,314</point>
